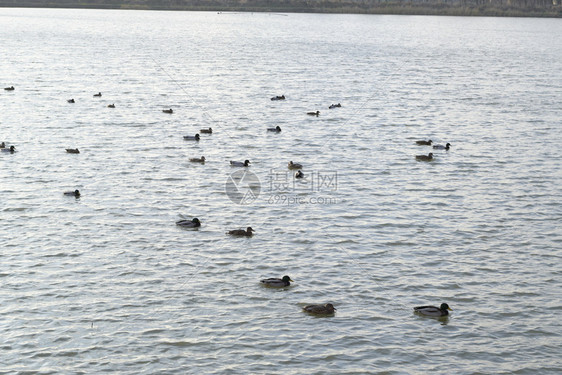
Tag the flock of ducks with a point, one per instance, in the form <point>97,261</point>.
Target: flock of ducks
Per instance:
<point>429,157</point>
<point>319,309</point>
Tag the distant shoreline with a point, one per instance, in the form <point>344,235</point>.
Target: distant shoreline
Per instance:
<point>474,8</point>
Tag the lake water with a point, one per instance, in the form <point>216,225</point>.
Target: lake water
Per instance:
<point>107,283</point>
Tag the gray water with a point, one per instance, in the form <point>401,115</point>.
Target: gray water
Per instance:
<point>107,283</point>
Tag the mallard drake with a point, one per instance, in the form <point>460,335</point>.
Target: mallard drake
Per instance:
<point>72,150</point>
<point>441,147</point>
<point>191,137</point>
<point>198,160</point>
<point>326,309</point>
<point>317,113</point>
<point>206,131</point>
<point>193,223</point>
<point>75,193</point>
<point>11,88</point>
<point>241,232</point>
<point>277,283</point>
<point>282,97</point>
<point>299,174</point>
<point>168,110</point>
<point>428,157</point>
<point>276,129</point>
<point>70,100</point>
<point>294,165</point>
<point>98,94</point>
<point>424,143</point>
<point>11,149</point>
<point>433,310</point>
<point>111,106</point>
<point>239,163</point>
<point>334,106</point>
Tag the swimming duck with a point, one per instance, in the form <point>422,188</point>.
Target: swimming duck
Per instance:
<point>2,145</point>
<point>276,129</point>
<point>433,311</point>
<point>326,309</point>
<point>294,165</point>
<point>428,157</point>
<point>277,283</point>
<point>206,131</point>
<point>241,232</point>
<point>313,113</point>
<point>72,150</point>
<point>282,97</point>
<point>441,147</point>
<point>239,163</point>
<point>424,143</point>
<point>198,160</point>
<point>11,150</point>
<point>168,110</point>
<point>98,94</point>
<point>75,193</point>
<point>299,174</point>
<point>334,106</point>
<point>111,106</point>
<point>193,223</point>
<point>191,137</point>
<point>70,100</point>
<point>11,88</point>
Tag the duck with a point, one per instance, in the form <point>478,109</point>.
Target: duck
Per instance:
<point>11,149</point>
<point>75,193</point>
<point>198,160</point>
<point>299,174</point>
<point>193,223</point>
<point>428,157</point>
<point>313,113</point>
<point>111,106</point>
<point>72,150</point>
<point>98,94</point>
<point>11,88</point>
<point>424,143</point>
<point>241,232</point>
<point>191,137</point>
<point>277,283</point>
<point>239,163</point>
<point>168,110</point>
<point>433,310</point>
<point>326,309</point>
<point>334,106</point>
<point>276,129</point>
<point>206,131</point>
<point>70,100</point>
<point>3,145</point>
<point>282,97</point>
<point>441,147</point>
<point>294,165</point>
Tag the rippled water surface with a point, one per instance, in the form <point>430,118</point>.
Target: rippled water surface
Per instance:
<point>108,283</point>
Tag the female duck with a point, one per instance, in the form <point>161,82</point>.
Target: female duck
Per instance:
<point>294,165</point>
<point>276,129</point>
<point>75,193</point>
<point>193,223</point>
<point>424,143</point>
<point>239,163</point>
<point>206,131</point>
<point>198,160</point>
<point>441,147</point>
<point>326,309</point>
<point>241,232</point>
<point>191,137</point>
<point>277,283</point>
<point>428,157</point>
<point>433,310</point>
<point>72,150</point>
